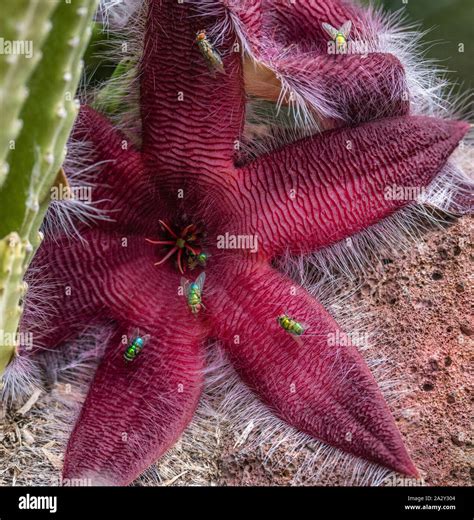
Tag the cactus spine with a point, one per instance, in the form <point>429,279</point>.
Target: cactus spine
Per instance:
<point>35,156</point>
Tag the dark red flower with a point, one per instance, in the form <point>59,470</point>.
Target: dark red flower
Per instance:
<point>300,198</point>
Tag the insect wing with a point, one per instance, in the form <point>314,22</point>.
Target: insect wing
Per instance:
<point>145,338</point>
<point>297,339</point>
<point>303,325</point>
<point>217,61</point>
<point>200,281</point>
<point>345,30</point>
<point>330,30</point>
<point>186,286</point>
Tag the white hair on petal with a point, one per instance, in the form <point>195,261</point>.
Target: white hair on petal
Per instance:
<point>426,83</point>
<point>115,14</point>
<point>267,129</point>
<point>452,190</point>
<point>40,298</point>
<point>226,21</point>
<point>75,208</point>
<point>20,379</point>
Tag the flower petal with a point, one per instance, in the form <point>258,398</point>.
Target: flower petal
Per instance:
<point>135,411</point>
<point>350,88</point>
<point>320,385</point>
<point>191,115</point>
<point>68,278</point>
<point>341,181</point>
<point>110,154</point>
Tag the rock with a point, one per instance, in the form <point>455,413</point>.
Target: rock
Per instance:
<point>466,330</point>
<point>451,399</point>
<point>456,439</point>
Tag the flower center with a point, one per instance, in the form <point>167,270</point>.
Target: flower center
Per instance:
<point>183,243</point>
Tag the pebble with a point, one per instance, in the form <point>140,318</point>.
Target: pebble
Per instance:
<point>466,330</point>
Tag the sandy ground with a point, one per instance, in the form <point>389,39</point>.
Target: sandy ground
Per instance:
<point>423,300</point>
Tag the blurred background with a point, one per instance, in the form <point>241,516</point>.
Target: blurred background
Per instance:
<point>451,23</point>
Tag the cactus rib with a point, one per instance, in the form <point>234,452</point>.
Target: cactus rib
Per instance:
<point>46,116</point>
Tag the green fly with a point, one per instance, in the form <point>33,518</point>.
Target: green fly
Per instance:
<point>212,57</point>
<point>293,327</point>
<point>339,36</point>
<point>197,259</point>
<point>193,292</point>
<point>135,347</point>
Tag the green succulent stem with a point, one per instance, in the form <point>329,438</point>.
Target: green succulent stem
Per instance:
<point>43,113</point>
<point>24,25</point>
<point>12,288</point>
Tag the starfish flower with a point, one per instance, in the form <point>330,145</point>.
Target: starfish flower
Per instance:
<point>188,190</point>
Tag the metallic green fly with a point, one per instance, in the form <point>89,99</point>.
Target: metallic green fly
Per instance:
<point>199,259</point>
<point>193,292</point>
<point>290,325</point>
<point>135,347</point>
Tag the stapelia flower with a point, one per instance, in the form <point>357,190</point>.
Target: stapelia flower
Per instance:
<point>185,190</point>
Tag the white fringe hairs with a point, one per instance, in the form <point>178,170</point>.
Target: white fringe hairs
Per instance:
<point>429,90</point>
<point>228,410</point>
<point>75,207</point>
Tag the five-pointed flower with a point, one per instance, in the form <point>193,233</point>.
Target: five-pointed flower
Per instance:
<point>303,197</point>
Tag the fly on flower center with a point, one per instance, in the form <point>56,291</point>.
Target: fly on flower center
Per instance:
<point>183,243</point>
